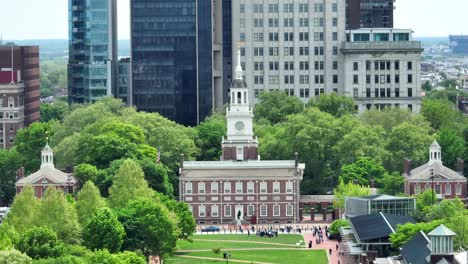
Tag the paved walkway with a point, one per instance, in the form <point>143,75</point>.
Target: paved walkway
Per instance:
<point>248,242</point>
<point>326,244</point>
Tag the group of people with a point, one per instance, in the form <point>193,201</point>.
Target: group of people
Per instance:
<point>267,233</point>
<point>318,233</point>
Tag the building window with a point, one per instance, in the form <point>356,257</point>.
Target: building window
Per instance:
<point>273,36</point>
<point>214,211</point>
<point>356,79</point>
<point>410,65</point>
<point>250,210</point>
<point>239,187</point>
<point>188,188</point>
<point>304,65</point>
<point>304,22</point>
<point>355,92</point>
<point>458,189</point>
<point>397,65</point>
<point>201,187</point>
<point>289,22</point>
<point>335,65</point>
<point>242,8</point>
<point>334,21</point>
<point>276,210</point>
<point>263,210</point>
<point>273,8</point>
<point>214,187</point>
<point>397,92</point>
<point>397,78</point>
<point>227,210</point>
<point>274,79</point>
<point>258,8</point>
<point>201,211</point>
<point>250,187</point>
<point>355,66</point>
<point>335,36</point>
<point>289,187</point>
<point>334,7</point>
<point>288,8</point>
<point>274,51</point>
<point>335,50</point>
<point>448,189</point>
<point>276,187</point>
<point>410,78</point>
<point>410,92</point>
<point>335,78</point>
<point>410,107</point>
<point>227,187</point>
<point>263,187</point>
<point>289,210</point>
<point>303,8</point>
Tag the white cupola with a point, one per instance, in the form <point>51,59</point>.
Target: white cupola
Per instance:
<point>435,151</point>
<point>47,157</point>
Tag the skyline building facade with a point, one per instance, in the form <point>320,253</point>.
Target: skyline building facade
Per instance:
<point>93,51</point>
<point>459,44</point>
<point>293,47</point>
<point>19,90</point>
<point>369,14</point>
<point>177,58</point>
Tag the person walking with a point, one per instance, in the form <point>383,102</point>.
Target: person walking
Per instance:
<point>330,251</point>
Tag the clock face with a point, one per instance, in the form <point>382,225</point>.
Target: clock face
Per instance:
<point>239,125</point>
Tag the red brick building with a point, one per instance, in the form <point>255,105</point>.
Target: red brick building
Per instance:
<point>241,188</point>
<point>47,176</point>
<point>446,182</point>
<point>19,90</point>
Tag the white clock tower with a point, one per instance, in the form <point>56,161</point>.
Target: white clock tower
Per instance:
<point>240,143</point>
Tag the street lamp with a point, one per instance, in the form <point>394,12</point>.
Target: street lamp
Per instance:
<point>432,179</point>
<point>69,180</point>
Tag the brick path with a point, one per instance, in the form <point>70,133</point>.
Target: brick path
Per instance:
<point>326,244</point>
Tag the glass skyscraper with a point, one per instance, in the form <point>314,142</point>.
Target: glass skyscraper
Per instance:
<point>177,60</point>
<point>92,49</point>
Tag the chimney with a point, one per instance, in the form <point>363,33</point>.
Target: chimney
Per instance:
<point>296,159</point>
<point>20,173</point>
<point>69,169</point>
<point>182,161</point>
<point>407,167</point>
<point>460,166</point>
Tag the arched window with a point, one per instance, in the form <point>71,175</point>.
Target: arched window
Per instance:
<point>239,97</point>
<point>245,97</point>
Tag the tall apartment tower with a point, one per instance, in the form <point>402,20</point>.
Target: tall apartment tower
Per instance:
<point>290,46</point>
<point>19,90</point>
<point>369,14</point>
<point>92,50</point>
<point>177,58</point>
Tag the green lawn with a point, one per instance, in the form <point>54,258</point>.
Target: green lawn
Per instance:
<point>282,238</point>
<point>271,256</point>
<point>285,253</point>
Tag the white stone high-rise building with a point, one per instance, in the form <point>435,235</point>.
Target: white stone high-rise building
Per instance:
<point>290,45</point>
<point>382,69</point>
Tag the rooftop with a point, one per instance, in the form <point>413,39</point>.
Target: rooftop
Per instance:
<point>378,225</point>
<point>246,164</point>
<point>441,230</point>
<point>380,197</point>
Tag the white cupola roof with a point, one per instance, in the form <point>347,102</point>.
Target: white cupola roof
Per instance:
<point>47,157</point>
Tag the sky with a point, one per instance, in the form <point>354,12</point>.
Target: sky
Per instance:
<point>48,19</point>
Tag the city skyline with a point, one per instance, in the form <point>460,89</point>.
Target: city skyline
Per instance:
<point>416,15</point>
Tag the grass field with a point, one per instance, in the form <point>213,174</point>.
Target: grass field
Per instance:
<point>280,250</point>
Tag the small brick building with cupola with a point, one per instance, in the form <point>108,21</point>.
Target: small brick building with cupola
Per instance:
<point>448,183</point>
<point>46,177</point>
<point>241,188</point>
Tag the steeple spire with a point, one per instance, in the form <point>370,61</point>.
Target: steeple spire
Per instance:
<point>239,67</point>
<point>435,153</point>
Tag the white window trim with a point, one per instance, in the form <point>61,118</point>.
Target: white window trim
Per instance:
<point>241,189</point>
<point>292,210</point>
<point>200,211</point>
<point>261,210</point>
<point>227,190</point>
<point>230,211</point>
<point>214,190</point>
<point>458,189</point>
<point>289,190</point>
<point>200,189</point>
<point>263,190</point>
<point>188,188</point>
<point>250,187</point>
<point>276,190</point>
<point>275,211</point>
<point>449,192</point>
<point>249,212</point>
<point>213,211</point>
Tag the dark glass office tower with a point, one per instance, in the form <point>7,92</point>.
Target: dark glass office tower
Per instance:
<point>177,58</point>
<point>369,14</point>
<point>92,49</point>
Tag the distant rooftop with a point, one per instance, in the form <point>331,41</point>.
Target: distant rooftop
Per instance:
<point>248,164</point>
<point>381,197</point>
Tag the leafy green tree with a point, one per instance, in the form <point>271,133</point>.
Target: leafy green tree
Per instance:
<point>392,117</point>
<point>363,171</point>
<point>336,225</point>
<point>13,256</point>
<point>407,141</point>
<point>425,199</point>
<point>348,190</point>
<point>445,209</point>
<point>65,151</point>
<point>104,231</point>
<point>23,210</point>
<point>149,226</point>
<point>57,110</point>
<point>334,104</point>
<point>56,213</point>
<point>89,201</point>
<point>210,133</point>
<point>391,183</point>
<point>127,184</point>
<point>362,140</point>
<point>7,237</point>
<point>439,113</point>
<point>458,223</point>
<point>276,106</point>
<point>449,83</point>
<point>128,257</point>
<point>29,142</point>
<point>9,163</point>
<point>85,172</point>
<point>453,147</point>
<point>405,232</point>
<point>40,242</point>
<point>103,256</point>
<point>427,86</point>
<point>185,220</point>
<point>157,176</point>
<point>62,260</point>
